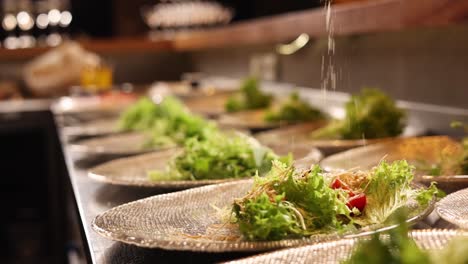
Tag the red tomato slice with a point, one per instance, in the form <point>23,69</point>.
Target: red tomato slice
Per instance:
<point>359,201</point>
<point>338,184</point>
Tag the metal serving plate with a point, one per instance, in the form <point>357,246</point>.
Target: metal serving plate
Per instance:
<point>194,220</point>
<point>300,134</point>
<point>211,105</point>
<point>93,128</point>
<point>340,250</point>
<point>427,149</point>
<point>132,171</point>
<point>115,144</point>
<point>454,208</point>
<point>254,119</point>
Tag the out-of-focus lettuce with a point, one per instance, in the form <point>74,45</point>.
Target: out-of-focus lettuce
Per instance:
<point>249,98</point>
<point>144,113</point>
<point>294,110</point>
<point>400,248</point>
<point>221,156</point>
<point>370,114</point>
<point>168,122</point>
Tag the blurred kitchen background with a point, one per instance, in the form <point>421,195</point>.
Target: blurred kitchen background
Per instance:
<point>413,54</point>
<point>413,50</point>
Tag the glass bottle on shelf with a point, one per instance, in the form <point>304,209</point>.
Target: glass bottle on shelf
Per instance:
<point>97,78</point>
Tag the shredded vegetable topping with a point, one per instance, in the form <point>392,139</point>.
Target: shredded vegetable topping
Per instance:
<point>290,203</point>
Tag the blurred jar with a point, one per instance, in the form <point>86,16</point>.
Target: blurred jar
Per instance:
<point>97,78</point>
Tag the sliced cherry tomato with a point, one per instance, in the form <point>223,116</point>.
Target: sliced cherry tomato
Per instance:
<point>359,201</point>
<point>338,184</point>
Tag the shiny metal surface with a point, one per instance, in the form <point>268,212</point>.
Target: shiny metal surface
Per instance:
<point>96,127</point>
<point>133,171</point>
<point>300,134</point>
<point>454,208</point>
<point>431,150</point>
<point>254,119</point>
<point>115,144</point>
<point>338,251</point>
<point>94,198</point>
<point>198,220</point>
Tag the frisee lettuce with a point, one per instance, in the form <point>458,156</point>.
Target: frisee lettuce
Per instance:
<point>144,113</point>
<point>220,156</point>
<point>249,98</point>
<point>168,122</point>
<point>309,201</point>
<point>398,247</point>
<point>294,110</point>
<point>463,164</point>
<point>304,203</point>
<point>370,114</point>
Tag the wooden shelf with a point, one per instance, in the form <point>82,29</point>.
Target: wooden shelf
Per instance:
<point>348,18</point>
<point>101,46</point>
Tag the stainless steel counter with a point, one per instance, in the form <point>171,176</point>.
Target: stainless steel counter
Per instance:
<point>93,198</point>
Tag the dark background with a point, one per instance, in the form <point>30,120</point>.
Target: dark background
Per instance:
<point>107,18</point>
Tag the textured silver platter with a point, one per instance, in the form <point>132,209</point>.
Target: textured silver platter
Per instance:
<point>299,134</point>
<point>132,171</point>
<point>340,250</point>
<point>246,119</point>
<point>94,104</point>
<point>114,144</point>
<point>454,208</point>
<point>184,89</point>
<point>427,149</point>
<point>191,220</point>
<point>93,128</point>
<point>212,105</point>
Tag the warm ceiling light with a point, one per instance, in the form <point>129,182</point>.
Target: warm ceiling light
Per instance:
<point>54,17</point>
<point>25,21</point>
<point>42,21</point>
<point>9,22</point>
<point>65,19</point>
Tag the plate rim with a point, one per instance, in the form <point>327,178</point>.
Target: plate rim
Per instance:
<point>421,178</point>
<point>242,246</point>
<point>152,184</point>
<point>334,243</point>
<point>98,150</point>
<point>440,210</point>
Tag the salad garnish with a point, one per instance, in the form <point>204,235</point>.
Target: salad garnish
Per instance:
<point>167,122</point>
<point>399,247</point>
<point>249,98</point>
<point>294,110</point>
<point>453,158</point>
<point>289,203</point>
<point>370,114</point>
<point>221,156</point>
